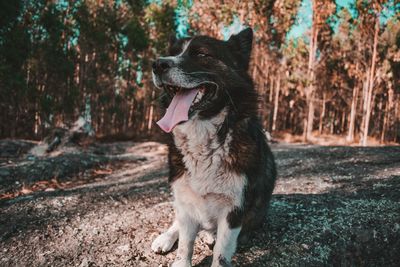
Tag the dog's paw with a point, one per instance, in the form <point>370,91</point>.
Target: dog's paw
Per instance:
<point>221,262</point>
<point>181,263</point>
<point>163,243</point>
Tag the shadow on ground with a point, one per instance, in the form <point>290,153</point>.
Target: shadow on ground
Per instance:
<point>333,206</point>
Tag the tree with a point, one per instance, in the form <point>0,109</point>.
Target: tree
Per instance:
<point>321,10</point>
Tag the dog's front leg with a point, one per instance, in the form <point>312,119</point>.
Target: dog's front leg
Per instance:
<point>164,242</point>
<point>188,229</point>
<point>225,245</point>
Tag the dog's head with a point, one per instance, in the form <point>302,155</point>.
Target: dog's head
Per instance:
<point>202,75</point>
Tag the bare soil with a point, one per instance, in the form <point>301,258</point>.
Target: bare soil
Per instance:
<point>103,206</point>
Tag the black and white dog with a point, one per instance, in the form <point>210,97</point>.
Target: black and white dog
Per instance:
<point>221,169</point>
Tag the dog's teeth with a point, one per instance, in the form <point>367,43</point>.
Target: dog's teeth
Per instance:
<point>198,98</point>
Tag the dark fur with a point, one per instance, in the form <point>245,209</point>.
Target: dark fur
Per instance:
<point>249,151</point>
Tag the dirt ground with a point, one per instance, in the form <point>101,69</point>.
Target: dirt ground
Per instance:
<point>103,206</point>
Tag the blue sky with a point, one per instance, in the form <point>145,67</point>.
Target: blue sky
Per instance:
<point>302,24</point>
<point>303,20</point>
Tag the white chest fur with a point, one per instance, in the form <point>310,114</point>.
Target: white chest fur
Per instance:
<point>208,187</point>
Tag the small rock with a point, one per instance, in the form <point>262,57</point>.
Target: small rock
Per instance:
<point>124,248</point>
<point>84,263</point>
<point>31,157</point>
<point>49,189</point>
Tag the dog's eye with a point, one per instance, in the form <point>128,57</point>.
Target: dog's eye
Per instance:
<point>199,53</point>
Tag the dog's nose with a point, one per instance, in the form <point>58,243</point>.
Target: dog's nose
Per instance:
<point>161,65</point>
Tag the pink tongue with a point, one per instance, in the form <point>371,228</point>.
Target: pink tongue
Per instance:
<point>178,110</point>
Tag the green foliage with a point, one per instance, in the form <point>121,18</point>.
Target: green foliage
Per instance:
<point>9,11</point>
<point>56,54</point>
<point>137,37</point>
<point>160,20</point>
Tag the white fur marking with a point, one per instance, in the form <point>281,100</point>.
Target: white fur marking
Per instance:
<point>188,229</point>
<point>185,47</point>
<point>178,58</point>
<point>164,242</point>
<point>205,157</point>
<point>226,243</point>
<point>156,81</point>
<point>209,238</point>
<point>208,191</point>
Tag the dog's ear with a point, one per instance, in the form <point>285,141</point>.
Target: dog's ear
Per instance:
<point>242,43</point>
<point>171,41</point>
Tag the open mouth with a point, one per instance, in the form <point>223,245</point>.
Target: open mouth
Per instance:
<point>184,102</point>
<point>204,93</point>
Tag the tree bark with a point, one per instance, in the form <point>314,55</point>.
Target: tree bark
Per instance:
<point>343,123</point>
<point>364,100</point>
<point>276,103</point>
<point>150,121</point>
<point>353,111</point>
<point>309,120</point>
<point>385,120</point>
<point>271,89</point>
<point>322,115</point>
<point>371,84</point>
<point>396,137</point>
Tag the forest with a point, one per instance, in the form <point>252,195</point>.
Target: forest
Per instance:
<point>63,59</point>
<point>84,167</point>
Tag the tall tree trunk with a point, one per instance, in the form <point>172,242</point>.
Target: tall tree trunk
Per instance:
<point>353,111</point>
<point>387,117</point>
<point>310,117</point>
<point>309,120</point>
<point>364,100</point>
<point>343,123</point>
<point>271,96</point>
<point>255,64</point>
<point>276,103</point>
<point>397,120</point>
<point>371,84</point>
<point>131,112</point>
<point>322,115</point>
<point>264,85</point>
<point>271,89</point>
<point>385,122</point>
<point>150,121</point>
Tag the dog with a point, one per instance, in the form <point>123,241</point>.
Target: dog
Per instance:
<point>222,171</point>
